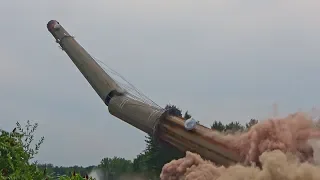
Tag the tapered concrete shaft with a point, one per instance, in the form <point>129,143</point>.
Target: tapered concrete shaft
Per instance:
<point>147,118</point>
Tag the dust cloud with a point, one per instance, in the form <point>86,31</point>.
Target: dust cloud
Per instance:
<point>99,174</point>
<point>275,149</point>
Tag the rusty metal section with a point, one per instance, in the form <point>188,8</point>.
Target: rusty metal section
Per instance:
<point>172,130</point>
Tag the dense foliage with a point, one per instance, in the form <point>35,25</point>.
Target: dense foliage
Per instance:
<point>17,151</point>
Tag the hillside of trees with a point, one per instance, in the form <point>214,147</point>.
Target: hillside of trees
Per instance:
<point>17,151</point>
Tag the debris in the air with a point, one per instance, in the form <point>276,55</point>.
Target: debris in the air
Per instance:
<point>190,124</point>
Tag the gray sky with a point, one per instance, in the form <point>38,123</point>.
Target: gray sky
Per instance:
<point>232,60</point>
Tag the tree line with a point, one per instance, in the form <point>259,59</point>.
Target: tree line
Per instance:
<point>17,146</point>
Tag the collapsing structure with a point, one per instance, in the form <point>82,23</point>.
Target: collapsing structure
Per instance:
<point>150,119</point>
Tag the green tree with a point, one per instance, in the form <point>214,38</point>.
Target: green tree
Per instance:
<point>234,126</point>
<point>218,126</point>
<point>139,163</point>
<point>116,166</point>
<point>187,115</point>
<point>173,110</point>
<point>251,123</point>
<point>75,176</point>
<point>60,172</point>
<point>17,151</point>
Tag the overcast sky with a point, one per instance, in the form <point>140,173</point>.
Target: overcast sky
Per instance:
<point>221,60</point>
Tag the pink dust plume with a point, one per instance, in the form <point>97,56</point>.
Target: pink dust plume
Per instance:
<point>289,135</point>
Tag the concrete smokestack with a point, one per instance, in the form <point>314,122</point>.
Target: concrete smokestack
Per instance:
<point>134,112</point>
<point>147,118</point>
